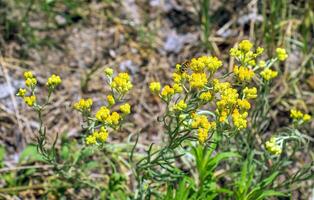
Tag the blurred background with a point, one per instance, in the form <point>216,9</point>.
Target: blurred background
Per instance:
<point>77,39</point>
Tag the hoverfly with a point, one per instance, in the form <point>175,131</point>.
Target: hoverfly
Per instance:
<point>184,66</point>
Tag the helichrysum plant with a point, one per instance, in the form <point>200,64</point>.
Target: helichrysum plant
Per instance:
<point>211,116</point>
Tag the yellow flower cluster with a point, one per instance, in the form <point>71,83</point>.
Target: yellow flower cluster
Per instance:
<point>198,80</point>
<point>206,96</point>
<point>269,74</point>
<point>250,93</point>
<point>243,73</point>
<point>125,108</point>
<point>111,100</point>
<point>239,119</point>
<point>30,101</point>
<point>30,79</point>
<point>245,45</point>
<point>181,105</point>
<point>243,104</point>
<point>103,115</point>
<point>203,126</point>
<point>31,82</point>
<point>83,105</point>
<point>273,147</point>
<point>21,92</point>
<point>108,71</point>
<point>100,136</point>
<point>244,54</point>
<point>167,92</point>
<point>122,83</point>
<point>205,62</point>
<point>53,81</point>
<point>298,115</point>
<point>155,87</point>
<point>281,54</point>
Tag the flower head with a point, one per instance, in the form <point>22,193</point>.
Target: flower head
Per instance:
<point>21,92</point>
<point>30,101</point>
<point>108,71</point>
<point>154,87</point>
<point>250,93</point>
<point>102,114</point>
<point>281,54</point>
<point>206,96</point>
<point>269,74</point>
<point>273,147</point>
<point>125,108</point>
<point>198,80</point>
<point>83,105</point>
<point>245,45</point>
<point>90,140</point>
<point>239,119</point>
<point>31,82</point>
<point>111,100</point>
<point>243,73</point>
<point>53,81</point>
<point>122,83</point>
<point>181,105</point>
<point>167,91</point>
<point>28,74</point>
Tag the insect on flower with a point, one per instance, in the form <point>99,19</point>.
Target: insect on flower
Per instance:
<point>184,66</point>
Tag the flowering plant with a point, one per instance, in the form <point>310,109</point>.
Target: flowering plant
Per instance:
<point>217,141</point>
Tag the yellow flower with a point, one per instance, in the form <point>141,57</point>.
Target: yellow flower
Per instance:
<point>243,104</point>
<point>154,87</point>
<point>176,77</point>
<point>90,140</point>
<point>245,45</point>
<point>181,105</point>
<point>269,74</point>
<point>239,119</point>
<point>306,117</point>
<point>262,63</point>
<point>113,119</point>
<point>198,80</point>
<point>111,100</point>
<point>296,114</point>
<point>230,96</point>
<point>167,91</point>
<point>108,71</point>
<point>259,51</point>
<point>206,96</point>
<point>21,92</point>
<point>177,88</point>
<point>122,83</point>
<point>53,81</point>
<point>234,52</point>
<point>223,116</point>
<point>213,63</point>
<point>281,54</point>
<point>102,114</point>
<point>102,135</point>
<point>31,82</point>
<point>202,134</point>
<point>220,87</point>
<point>125,109</point>
<point>273,147</point>
<point>28,75</point>
<point>197,65</point>
<point>30,100</point>
<point>243,73</point>
<point>83,105</point>
<point>250,93</point>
